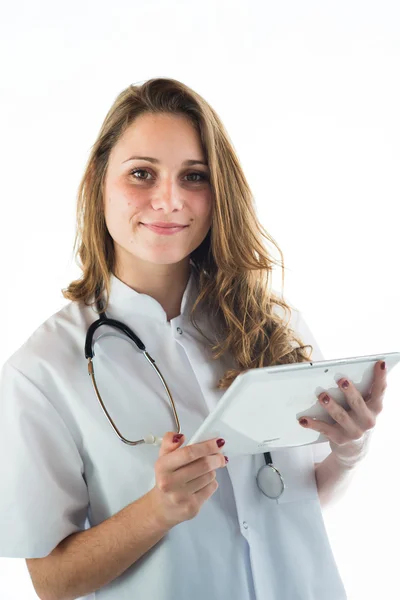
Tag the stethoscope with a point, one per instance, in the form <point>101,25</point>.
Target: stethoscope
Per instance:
<point>269,479</point>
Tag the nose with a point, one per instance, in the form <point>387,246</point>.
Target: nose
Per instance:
<point>167,196</point>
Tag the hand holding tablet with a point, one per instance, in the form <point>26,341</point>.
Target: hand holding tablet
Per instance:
<point>261,409</point>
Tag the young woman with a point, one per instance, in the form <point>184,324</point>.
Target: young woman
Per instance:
<point>169,245</point>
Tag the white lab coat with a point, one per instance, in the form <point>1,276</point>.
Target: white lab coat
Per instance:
<point>63,469</point>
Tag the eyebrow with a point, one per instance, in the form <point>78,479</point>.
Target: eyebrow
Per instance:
<point>186,163</point>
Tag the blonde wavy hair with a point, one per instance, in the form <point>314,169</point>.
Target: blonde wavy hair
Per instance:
<point>232,265</point>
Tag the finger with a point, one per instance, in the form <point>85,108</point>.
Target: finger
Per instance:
<point>202,466</point>
<point>188,454</point>
<point>333,432</point>
<point>360,414</point>
<point>377,392</point>
<point>170,442</point>
<point>345,419</point>
<point>200,485</point>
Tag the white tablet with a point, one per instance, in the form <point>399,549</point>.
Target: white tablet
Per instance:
<point>260,410</point>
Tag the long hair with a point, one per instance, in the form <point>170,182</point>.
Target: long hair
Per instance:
<point>232,265</point>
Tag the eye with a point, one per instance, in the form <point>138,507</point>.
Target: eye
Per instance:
<point>203,176</point>
<point>138,171</point>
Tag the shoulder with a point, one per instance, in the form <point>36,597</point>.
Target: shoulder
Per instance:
<point>55,340</point>
<point>297,322</point>
<point>292,315</point>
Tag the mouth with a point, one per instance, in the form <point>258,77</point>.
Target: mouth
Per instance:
<point>165,230</point>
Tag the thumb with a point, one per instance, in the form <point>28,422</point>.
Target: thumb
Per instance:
<point>168,445</point>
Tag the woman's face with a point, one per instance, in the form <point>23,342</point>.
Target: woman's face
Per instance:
<point>166,190</point>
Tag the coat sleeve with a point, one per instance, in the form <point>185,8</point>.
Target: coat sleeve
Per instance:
<point>44,497</point>
<point>323,449</point>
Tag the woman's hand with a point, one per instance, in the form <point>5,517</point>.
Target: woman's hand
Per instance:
<point>185,477</point>
<point>349,436</point>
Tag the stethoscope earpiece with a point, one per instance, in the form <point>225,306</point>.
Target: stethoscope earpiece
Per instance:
<point>153,439</point>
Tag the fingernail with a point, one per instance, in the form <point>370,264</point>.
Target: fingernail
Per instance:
<point>345,384</point>
<point>220,442</point>
<point>226,459</point>
<point>177,437</point>
<point>325,399</point>
<point>383,365</point>
<point>303,422</point>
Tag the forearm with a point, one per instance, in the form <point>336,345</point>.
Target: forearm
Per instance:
<point>332,479</point>
<point>88,560</point>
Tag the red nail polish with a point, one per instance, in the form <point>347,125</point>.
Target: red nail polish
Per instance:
<point>220,442</point>
<point>345,384</point>
<point>177,438</point>
<point>226,459</point>
<point>303,422</point>
<point>383,365</point>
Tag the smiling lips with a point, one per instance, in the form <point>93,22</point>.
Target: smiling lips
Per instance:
<point>165,228</point>
<point>165,224</point>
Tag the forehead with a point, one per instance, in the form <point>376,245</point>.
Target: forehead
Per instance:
<point>161,136</point>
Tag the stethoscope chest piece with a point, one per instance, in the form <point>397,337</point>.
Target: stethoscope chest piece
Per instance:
<point>270,482</point>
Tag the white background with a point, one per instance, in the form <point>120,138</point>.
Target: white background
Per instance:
<point>309,93</point>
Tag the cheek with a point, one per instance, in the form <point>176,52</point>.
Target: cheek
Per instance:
<point>202,206</point>
<point>206,211</point>
<point>123,204</point>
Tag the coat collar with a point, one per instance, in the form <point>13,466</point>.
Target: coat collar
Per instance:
<point>125,302</point>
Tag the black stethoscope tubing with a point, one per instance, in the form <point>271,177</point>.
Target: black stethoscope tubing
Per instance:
<point>269,479</point>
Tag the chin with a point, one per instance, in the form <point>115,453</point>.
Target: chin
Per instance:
<point>163,258</point>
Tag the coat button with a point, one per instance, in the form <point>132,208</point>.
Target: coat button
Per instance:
<point>179,330</point>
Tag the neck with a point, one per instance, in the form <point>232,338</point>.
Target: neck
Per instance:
<point>164,283</point>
